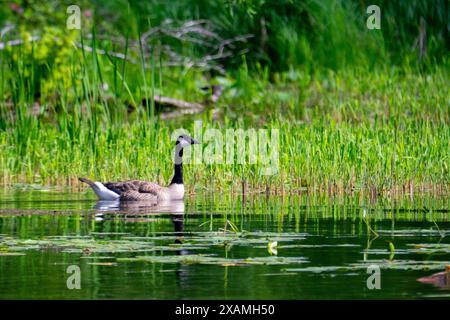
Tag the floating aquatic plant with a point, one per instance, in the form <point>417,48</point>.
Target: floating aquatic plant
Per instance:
<point>272,247</point>
<point>213,260</point>
<point>383,264</point>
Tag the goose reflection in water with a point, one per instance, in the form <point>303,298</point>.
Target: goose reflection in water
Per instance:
<point>140,211</point>
<point>140,207</point>
<point>137,211</point>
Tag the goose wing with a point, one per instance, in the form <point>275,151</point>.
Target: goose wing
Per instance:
<point>149,187</point>
<point>133,185</point>
<point>133,195</point>
<point>122,186</point>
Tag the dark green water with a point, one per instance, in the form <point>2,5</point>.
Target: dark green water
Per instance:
<point>216,248</point>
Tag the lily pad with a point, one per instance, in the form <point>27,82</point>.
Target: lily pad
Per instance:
<point>212,260</point>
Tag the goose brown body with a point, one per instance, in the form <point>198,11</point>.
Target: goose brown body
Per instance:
<point>136,190</point>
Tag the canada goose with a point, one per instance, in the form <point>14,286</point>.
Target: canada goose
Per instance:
<point>138,190</point>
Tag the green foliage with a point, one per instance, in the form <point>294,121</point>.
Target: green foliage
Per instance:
<point>287,33</point>
<point>350,118</point>
<point>357,131</point>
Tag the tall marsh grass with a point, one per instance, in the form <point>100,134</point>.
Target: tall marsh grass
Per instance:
<point>347,121</point>
<point>378,132</point>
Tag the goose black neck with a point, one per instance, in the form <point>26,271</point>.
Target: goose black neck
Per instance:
<point>178,170</point>
<point>178,174</point>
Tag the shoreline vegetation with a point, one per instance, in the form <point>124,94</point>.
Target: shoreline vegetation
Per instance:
<point>373,122</point>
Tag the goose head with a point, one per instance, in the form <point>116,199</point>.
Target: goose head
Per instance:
<point>185,140</point>
<point>177,191</point>
<point>182,141</point>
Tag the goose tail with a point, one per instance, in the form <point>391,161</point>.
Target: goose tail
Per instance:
<point>100,190</point>
<point>89,182</point>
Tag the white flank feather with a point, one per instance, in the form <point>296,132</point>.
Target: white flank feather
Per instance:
<point>104,193</point>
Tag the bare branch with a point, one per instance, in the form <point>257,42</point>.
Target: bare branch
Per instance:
<point>101,51</point>
<point>17,42</point>
<point>196,32</point>
<point>5,30</point>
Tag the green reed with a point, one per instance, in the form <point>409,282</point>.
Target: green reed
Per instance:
<point>382,130</point>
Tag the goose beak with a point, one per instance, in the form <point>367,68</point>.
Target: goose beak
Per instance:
<point>193,141</point>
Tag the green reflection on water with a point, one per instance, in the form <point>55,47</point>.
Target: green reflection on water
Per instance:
<point>217,248</point>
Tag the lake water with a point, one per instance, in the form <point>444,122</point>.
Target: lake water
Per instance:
<point>208,247</point>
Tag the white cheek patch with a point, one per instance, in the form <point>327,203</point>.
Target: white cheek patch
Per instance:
<point>184,143</point>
